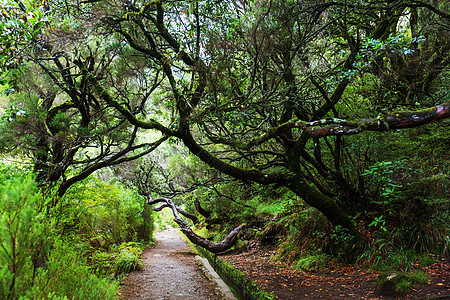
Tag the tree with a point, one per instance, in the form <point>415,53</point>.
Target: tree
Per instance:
<point>69,130</point>
<point>259,90</point>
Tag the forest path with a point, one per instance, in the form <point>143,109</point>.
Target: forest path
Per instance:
<point>170,272</point>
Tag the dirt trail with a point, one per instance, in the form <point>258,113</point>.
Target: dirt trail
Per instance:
<point>170,273</point>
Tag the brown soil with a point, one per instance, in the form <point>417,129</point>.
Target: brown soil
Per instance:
<point>170,273</point>
<point>339,282</point>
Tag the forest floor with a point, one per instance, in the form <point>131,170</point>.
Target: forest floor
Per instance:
<point>337,282</point>
<point>170,273</point>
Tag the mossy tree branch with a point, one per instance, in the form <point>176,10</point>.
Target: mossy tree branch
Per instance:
<point>392,121</point>
<point>219,247</point>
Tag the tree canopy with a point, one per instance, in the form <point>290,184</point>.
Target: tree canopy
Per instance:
<point>262,91</point>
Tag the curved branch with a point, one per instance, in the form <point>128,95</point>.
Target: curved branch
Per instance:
<point>395,120</point>
<point>229,169</point>
<point>116,159</point>
<point>180,210</point>
<point>416,4</point>
<point>104,95</point>
<point>201,210</point>
<point>222,246</point>
<point>335,126</point>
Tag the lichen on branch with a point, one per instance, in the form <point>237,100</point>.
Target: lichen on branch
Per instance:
<point>394,120</point>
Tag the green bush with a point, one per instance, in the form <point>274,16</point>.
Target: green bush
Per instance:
<point>102,263</point>
<point>36,262</point>
<point>128,258</point>
<point>306,235</point>
<point>106,214</point>
<point>68,275</point>
<point>23,233</point>
<point>385,256</point>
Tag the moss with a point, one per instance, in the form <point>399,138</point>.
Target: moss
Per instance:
<point>247,286</point>
<point>147,6</point>
<point>394,284</point>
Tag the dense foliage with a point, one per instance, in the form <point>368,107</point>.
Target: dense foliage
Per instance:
<point>301,118</point>
<point>69,250</point>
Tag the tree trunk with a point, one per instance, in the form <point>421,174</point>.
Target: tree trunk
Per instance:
<point>334,213</point>
<point>326,205</point>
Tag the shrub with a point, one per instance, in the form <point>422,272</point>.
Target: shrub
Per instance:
<point>68,275</point>
<point>42,256</point>
<point>106,214</point>
<point>102,263</point>
<point>306,235</point>
<point>22,234</point>
<point>128,258</point>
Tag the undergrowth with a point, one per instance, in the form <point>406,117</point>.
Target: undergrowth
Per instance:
<point>75,247</point>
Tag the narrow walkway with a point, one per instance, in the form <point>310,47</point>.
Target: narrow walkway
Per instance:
<point>170,273</point>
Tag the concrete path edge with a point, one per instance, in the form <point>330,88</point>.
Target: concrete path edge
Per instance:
<point>222,291</point>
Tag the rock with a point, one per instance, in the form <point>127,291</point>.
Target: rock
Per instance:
<point>391,284</point>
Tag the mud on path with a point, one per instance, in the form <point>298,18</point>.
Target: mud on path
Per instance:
<point>170,272</point>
